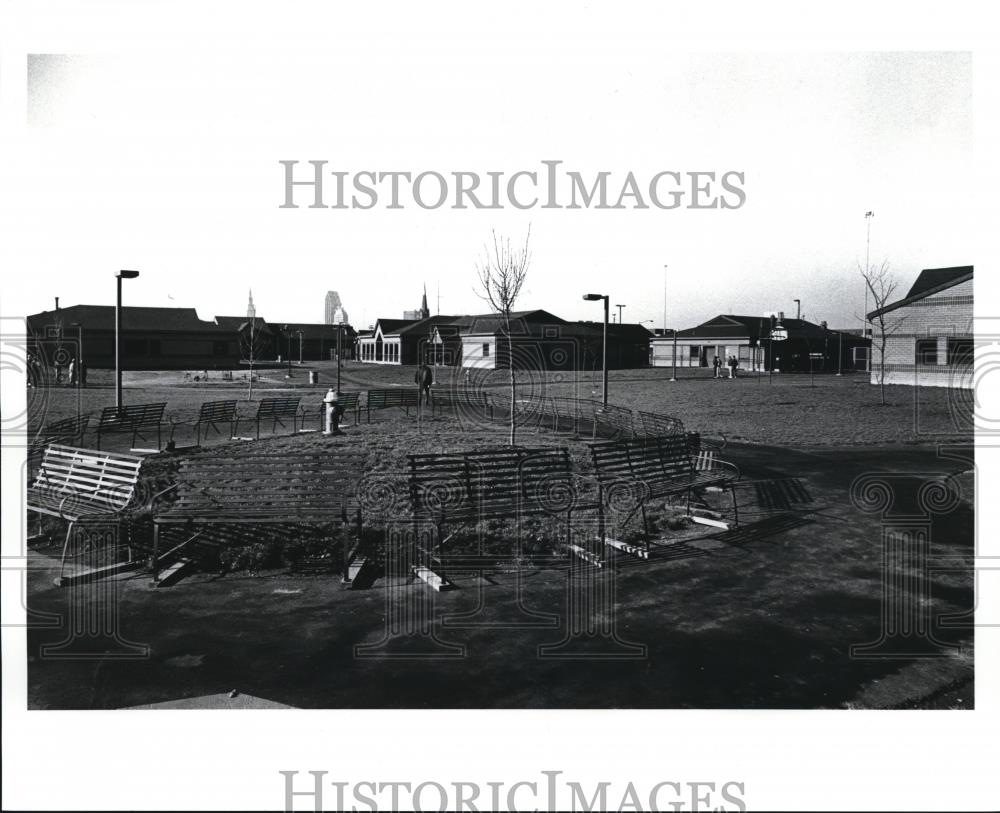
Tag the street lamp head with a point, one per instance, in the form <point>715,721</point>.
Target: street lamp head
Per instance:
<point>127,274</point>
<point>593,297</point>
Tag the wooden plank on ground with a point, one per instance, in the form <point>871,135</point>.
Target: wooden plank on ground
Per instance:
<point>177,571</point>
<point>586,555</point>
<point>625,547</point>
<point>431,578</point>
<point>96,573</point>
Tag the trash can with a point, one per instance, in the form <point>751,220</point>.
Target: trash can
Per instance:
<point>313,376</point>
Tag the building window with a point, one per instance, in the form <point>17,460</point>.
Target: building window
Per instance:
<point>927,351</point>
<point>694,352</point>
<point>486,349</point>
<point>960,351</point>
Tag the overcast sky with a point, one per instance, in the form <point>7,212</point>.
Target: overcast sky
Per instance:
<point>167,162</point>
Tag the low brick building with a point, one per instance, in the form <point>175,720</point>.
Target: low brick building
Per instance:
<point>928,334</point>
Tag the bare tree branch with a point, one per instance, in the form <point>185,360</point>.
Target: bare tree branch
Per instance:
<point>501,276</point>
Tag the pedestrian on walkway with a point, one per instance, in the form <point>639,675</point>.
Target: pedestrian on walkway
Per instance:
<point>732,366</point>
<point>717,364</point>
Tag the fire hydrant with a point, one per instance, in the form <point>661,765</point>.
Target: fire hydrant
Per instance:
<point>333,412</point>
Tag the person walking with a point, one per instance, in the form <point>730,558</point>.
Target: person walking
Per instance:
<point>72,372</point>
<point>717,364</point>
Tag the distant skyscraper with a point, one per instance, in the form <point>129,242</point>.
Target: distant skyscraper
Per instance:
<point>334,313</point>
<point>251,310</point>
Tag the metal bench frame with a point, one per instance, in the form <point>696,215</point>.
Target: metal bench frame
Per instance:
<point>392,398</point>
<point>132,417</point>
<point>276,409</point>
<point>631,472</point>
<point>79,485</point>
<point>264,489</point>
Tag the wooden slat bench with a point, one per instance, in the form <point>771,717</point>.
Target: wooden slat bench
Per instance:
<point>631,472</point>
<point>78,485</point>
<point>349,402</point>
<point>212,413</point>
<point>262,489</point>
<point>401,397</point>
<point>131,418</point>
<point>463,401</point>
<point>453,491</point>
<point>278,410</point>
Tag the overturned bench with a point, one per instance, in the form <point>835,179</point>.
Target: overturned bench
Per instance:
<point>260,489</point>
<point>452,491</point>
<point>633,472</point>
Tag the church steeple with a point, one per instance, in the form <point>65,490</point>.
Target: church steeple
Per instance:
<point>424,310</point>
<point>251,310</point>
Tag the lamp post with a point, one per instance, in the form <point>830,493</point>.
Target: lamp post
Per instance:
<point>673,376</point>
<point>620,312</point>
<point>798,308</point>
<point>79,369</point>
<point>340,330</point>
<point>604,345</point>
<point>288,349</point>
<point>300,345</point>
<point>118,335</point>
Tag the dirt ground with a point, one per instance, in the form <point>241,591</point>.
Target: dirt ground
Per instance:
<point>764,616</point>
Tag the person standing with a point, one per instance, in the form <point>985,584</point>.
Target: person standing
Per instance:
<point>72,372</point>
<point>717,364</point>
<point>732,366</point>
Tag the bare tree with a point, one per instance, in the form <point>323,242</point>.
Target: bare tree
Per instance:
<point>881,285</point>
<point>253,342</point>
<point>501,274</point>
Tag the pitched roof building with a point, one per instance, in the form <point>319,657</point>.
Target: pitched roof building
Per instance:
<point>928,334</point>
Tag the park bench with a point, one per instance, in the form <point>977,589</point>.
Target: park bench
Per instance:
<point>463,402</point>
<point>131,418</point>
<point>656,425</point>
<point>277,410</point>
<point>349,402</point>
<point>455,490</point>
<point>212,413</point>
<point>402,397</point>
<point>632,472</point>
<point>613,421</point>
<point>213,494</point>
<point>80,485</point>
<point>68,431</point>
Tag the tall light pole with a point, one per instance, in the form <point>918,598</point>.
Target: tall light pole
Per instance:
<point>798,308</point>
<point>620,312</point>
<point>300,345</point>
<point>664,298</point>
<point>79,369</point>
<point>673,377</point>
<point>288,348</point>
<point>868,249</point>
<point>340,330</point>
<point>118,335</point>
<point>604,347</point>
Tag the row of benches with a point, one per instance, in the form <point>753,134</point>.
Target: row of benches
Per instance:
<point>138,419</point>
<point>448,491</point>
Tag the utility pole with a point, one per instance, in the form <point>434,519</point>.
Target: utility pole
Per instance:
<point>868,248</point>
<point>798,308</point>
<point>620,312</point>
